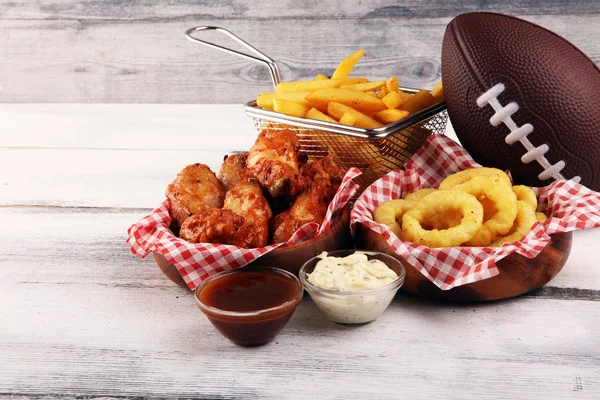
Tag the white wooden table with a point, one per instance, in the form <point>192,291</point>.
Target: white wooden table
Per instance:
<point>81,316</point>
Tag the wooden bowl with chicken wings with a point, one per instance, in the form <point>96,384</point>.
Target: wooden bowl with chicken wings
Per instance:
<point>259,198</point>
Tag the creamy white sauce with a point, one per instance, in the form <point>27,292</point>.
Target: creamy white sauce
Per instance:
<point>352,273</point>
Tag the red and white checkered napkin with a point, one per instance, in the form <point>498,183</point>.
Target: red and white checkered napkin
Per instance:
<point>570,207</point>
<point>196,262</point>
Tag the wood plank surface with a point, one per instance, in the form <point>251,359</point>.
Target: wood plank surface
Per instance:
<point>81,315</point>
<point>485,351</point>
<point>286,9</point>
<point>129,127</point>
<point>148,61</point>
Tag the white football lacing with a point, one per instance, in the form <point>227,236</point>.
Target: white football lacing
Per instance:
<point>519,134</point>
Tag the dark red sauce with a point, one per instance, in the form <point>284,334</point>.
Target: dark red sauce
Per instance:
<point>249,291</point>
<point>240,301</point>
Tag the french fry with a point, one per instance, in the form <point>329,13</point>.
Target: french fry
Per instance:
<point>389,116</point>
<point>438,92</point>
<point>365,87</point>
<point>306,86</point>
<point>311,86</point>
<point>321,77</point>
<point>374,94</point>
<point>299,97</point>
<point>392,84</point>
<point>393,100</point>
<point>265,100</point>
<point>352,81</point>
<point>337,110</point>
<point>348,119</point>
<point>288,107</point>
<point>420,100</point>
<point>344,68</point>
<point>355,99</point>
<point>313,113</point>
<point>382,92</point>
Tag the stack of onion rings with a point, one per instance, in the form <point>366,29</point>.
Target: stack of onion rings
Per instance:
<point>474,207</point>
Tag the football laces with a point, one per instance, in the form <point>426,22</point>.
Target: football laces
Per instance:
<point>503,114</point>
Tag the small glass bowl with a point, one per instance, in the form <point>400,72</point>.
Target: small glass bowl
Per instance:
<point>354,307</point>
<point>256,327</point>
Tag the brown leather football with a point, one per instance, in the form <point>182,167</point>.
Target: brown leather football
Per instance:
<point>522,98</point>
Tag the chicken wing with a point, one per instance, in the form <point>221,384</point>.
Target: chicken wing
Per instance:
<point>310,206</point>
<point>234,171</point>
<point>326,170</point>
<point>211,226</point>
<point>274,160</point>
<point>195,189</point>
<point>243,221</point>
<point>246,199</point>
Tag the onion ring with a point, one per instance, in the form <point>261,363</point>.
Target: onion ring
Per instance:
<point>391,211</point>
<point>440,202</point>
<point>526,217</point>
<point>540,216</point>
<point>465,175</point>
<point>444,220</point>
<point>419,194</point>
<point>526,195</point>
<point>503,213</point>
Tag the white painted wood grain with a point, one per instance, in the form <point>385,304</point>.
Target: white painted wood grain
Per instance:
<point>148,61</point>
<point>82,316</point>
<point>288,9</point>
<point>93,178</point>
<point>126,342</point>
<point>200,127</point>
<point>110,155</point>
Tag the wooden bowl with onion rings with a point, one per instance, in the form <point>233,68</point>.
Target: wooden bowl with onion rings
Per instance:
<point>518,274</point>
<point>289,258</point>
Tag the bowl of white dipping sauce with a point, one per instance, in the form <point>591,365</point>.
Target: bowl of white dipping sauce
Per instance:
<point>352,286</point>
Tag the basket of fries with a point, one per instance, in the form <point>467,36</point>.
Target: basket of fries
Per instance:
<point>375,126</point>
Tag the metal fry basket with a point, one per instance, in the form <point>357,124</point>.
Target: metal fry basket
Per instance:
<point>374,151</point>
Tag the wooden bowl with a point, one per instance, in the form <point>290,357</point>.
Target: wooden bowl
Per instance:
<point>518,274</point>
<point>289,258</point>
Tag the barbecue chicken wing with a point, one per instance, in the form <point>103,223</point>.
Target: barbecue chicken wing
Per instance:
<point>326,171</point>
<point>234,171</point>
<point>211,226</point>
<point>246,199</point>
<point>195,189</point>
<point>311,205</point>
<point>274,160</point>
<point>243,221</point>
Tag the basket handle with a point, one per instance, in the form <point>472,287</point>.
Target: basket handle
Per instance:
<point>259,57</point>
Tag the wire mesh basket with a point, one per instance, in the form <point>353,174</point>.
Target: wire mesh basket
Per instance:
<point>374,151</point>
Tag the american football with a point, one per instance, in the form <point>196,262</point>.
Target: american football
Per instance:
<point>522,98</point>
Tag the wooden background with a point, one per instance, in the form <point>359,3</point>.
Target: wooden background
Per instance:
<point>120,51</point>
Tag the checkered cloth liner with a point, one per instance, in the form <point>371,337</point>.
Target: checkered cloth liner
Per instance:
<point>570,207</point>
<point>196,262</point>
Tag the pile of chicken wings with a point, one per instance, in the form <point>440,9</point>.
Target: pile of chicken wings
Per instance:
<point>259,197</point>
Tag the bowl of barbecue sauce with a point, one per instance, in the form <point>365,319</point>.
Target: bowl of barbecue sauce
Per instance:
<point>250,305</point>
